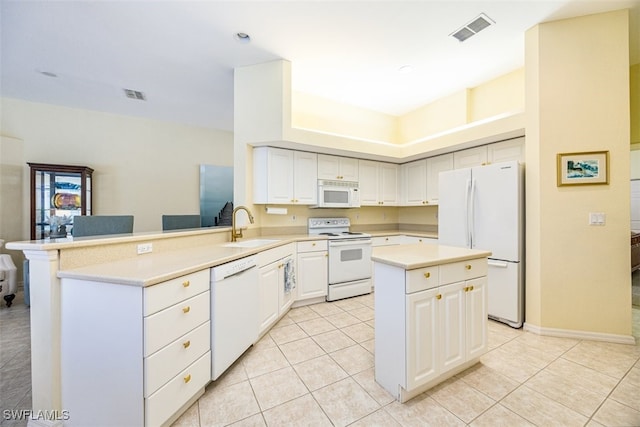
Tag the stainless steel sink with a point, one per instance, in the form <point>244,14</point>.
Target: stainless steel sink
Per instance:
<point>253,243</point>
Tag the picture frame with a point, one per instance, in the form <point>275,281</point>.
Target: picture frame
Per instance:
<point>586,168</point>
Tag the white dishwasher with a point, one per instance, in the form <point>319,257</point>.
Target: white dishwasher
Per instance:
<point>234,312</point>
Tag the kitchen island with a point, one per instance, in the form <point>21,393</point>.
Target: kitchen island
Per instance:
<point>431,315</point>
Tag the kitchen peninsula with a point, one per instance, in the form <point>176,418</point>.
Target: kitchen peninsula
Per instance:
<point>431,314</point>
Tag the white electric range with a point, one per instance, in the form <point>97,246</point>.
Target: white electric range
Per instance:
<point>349,257</point>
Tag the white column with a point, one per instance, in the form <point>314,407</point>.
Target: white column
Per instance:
<point>45,335</point>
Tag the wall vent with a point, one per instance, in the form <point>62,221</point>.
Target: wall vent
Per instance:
<point>472,28</point>
<point>135,94</point>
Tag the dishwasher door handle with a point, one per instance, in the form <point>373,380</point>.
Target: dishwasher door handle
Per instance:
<point>238,273</point>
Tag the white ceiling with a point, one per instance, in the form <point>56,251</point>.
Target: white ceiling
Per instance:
<point>181,54</point>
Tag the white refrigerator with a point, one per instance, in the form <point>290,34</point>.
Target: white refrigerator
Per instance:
<point>483,208</point>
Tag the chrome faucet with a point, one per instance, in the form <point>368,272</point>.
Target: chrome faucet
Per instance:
<point>235,234</point>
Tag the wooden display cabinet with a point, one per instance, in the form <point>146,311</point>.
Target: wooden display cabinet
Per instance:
<point>58,193</point>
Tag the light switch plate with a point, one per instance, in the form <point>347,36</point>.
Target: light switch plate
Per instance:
<point>145,248</point>
<point>597,218</point>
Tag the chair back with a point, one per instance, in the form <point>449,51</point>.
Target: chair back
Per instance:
<point>95,225</point>
<point>176,222</point>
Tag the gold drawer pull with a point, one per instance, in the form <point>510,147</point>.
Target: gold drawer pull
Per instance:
<point>186,344</point>
<point>466,289</point>
<point>427,275</point>
<point>186,283</point>
<point>313,244</point>
<point>187,378</point>
<point>186,309</point>
<point>438,296</point>
<point>470,288</point>
<point>468,266</point>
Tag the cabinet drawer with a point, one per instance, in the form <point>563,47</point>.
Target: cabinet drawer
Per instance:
<point>463,270</point>
<point>386,240</point>
<point>275,254</point>
<point>165,294</point>
<point>171,323</point>
<point>421,279</point>
<point>312,246</point>
<point>167,400</point>
<point>163,365</point>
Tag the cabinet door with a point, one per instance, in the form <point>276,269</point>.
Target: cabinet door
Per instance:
<point>269,295</point>
<point>422,338</point>
<point>328,167</point>
<point>451,312</point>
<point>435,165</point>
<point>505,151</point>
<point>388,184</point>
<point>285,296</point>
<point>414,183</point>
<point>348,169</point>
<point>305,166</point>
<point>470,158</point>
<point>476,311</point>
<point>280,176</point>
<point>368,172</point>
<point>312,275</point>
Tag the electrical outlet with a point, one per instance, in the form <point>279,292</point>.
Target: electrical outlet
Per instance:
<point>145,248</point>
<point>597,218</point>
<point>293,218</point>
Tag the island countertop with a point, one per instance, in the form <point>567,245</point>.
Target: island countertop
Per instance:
<point>419,255</point>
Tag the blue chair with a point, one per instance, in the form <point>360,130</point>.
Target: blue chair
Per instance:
<point>96,225</point>
<point>178,222</point>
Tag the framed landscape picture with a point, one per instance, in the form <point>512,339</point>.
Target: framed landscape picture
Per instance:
<point>589,168</point>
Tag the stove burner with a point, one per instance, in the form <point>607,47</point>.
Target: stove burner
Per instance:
<point>351,232</point>
<point>329,234</point>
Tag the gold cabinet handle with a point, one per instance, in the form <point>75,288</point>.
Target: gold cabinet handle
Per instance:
<point>186,283</point>
<point>470,288</point>
<point>326,255</point>
<point>427,275</point>
<point>438,296</point>
<point>419,240</point>
<point>468,266</point>
<point>186,309</point>
<point>313,244</point>
<point>466,289</point>
<point>186,344</point>
<point>187,378</point>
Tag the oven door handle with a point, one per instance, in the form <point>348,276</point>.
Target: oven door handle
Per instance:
<point>350,242</point>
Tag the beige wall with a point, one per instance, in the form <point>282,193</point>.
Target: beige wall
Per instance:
<point>142,167</point>
<point>578,100</point>
<point>634,86</point>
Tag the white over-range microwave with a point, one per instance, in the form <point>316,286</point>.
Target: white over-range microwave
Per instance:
<point>338,194</point>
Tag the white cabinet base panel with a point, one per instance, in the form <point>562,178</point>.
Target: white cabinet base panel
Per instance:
<point>403,395</point>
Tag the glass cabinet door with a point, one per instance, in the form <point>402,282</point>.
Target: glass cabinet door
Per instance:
<point>58,193</point>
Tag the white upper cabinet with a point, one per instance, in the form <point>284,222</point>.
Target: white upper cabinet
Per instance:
<point>435,165</point>
<point>337,168</point>
<point>505,151</point>
<point>378,183</point>
<point>471,157</point>
<point>284,176</point>
<point>414,183</point>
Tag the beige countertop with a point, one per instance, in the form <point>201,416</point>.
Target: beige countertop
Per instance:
<point>152,268</point>
<point>419,255</point>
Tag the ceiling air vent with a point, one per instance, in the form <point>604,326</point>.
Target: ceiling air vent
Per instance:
<point>135,94</point>
<point>473,27</point>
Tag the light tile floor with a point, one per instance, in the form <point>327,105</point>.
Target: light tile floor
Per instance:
<point>315,367</point>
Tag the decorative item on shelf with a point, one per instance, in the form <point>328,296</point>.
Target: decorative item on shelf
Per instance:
<point>66,201</point>
<point>58,225</point>
<point>588,168</point>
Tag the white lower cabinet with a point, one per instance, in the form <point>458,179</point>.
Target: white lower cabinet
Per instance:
<point>134,355</point>
<point>276,283</point>
<point>312,271</point>
<point>432,327</point>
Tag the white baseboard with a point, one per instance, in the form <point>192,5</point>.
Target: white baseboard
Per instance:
<point>581,335</point>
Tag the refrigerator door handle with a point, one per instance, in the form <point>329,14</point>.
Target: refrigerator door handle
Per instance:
<point>471,213</point>
<point>498,264</point>
<point>467,231</point>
